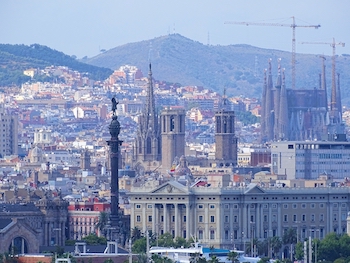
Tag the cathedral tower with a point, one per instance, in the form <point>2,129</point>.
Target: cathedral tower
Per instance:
<point>225,139</point>
<point>147,148</point>
<point>173,135</point>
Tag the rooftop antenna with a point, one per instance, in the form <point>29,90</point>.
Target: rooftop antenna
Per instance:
<point>208,40</point>
<point>174,29</point>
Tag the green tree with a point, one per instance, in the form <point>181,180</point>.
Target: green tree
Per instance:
<point>232,256</point>
<point>102,222</point>
<point>139,246</point>
<point>181,242</point>
<point>213,259</point>
<point>108,261</point>
<point>93,239</point>
<point>264,260</point>
<point>275,244</point>
<point>290,238</point>
<point>135,234</point>
<point>299,251</point>
<point>142,258</point>
<point>166,240</point>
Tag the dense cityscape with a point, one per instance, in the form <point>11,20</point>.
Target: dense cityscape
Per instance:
<point>132,157</point>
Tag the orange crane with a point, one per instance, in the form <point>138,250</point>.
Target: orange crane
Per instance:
<point>332,44</point>
<point>293,26</point>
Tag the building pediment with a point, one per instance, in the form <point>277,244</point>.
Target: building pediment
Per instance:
<point>254,189</point>
<point>171,187</point>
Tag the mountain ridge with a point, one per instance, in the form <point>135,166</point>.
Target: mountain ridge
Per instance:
<point>237,68</point>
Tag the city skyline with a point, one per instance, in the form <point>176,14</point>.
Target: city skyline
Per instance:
<point>83,28</point>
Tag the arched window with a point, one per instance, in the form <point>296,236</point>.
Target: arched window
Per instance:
<point>18,246</point>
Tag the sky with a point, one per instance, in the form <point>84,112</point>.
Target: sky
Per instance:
<point>84,27</point>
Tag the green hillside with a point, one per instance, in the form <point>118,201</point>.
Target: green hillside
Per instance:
<point>16,58</point>
<point>238,68</point>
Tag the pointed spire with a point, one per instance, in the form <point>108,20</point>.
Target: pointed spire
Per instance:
<point>269,106</point>
<point>263,110</point>
<point>283,115</point>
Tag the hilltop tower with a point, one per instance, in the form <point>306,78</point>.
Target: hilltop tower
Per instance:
<point>147,147</point>
<point>173,135</point>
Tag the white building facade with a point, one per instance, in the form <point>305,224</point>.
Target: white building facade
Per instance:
<point>310,159</point>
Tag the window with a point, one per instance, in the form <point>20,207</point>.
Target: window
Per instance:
<point>200,234</point>
<point>312,218</point>
<point>303,218</point>
<point>184,218</point>
<point>295,206</point>
<point>334,217</point>
<point>212,219</point>
<point>200,206</point>
<point>173,218</point>
<point>265,218</point>
<point>226,219</point>
<point>274,218</point>
<point>290,146</point>
<point>138,218</point>
<point>294,218</point>
<point>212,206</point>
<point>321,217</point>
<point>149,218</point>
<point>285,218</point>
<point>200,219</point>
<point>138,206</point>
<point>285,206</point>
<point>235,219</point>
<point>227,206</point>
<point>212,234</point>
<point>226,234</point>
<point>149,206</point>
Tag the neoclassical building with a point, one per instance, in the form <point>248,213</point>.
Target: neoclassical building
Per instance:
<point>232,216</point>
<point>26,226</point>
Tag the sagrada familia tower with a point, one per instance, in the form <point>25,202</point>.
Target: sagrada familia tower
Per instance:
<point>300,114</point>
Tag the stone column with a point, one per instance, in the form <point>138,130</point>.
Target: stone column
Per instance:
<point>144,221</point>
<point>279,220</point>
<point>188,228</point>
<point>177,219</point>
<point>218,224</point>
<point>154,219</point>
<point>165,228</point>
<point>206,222</point>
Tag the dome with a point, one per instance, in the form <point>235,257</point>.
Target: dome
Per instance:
<point>182,168</point>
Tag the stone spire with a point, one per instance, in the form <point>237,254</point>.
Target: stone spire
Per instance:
<point>283,114</point>
<point>269,106</point>
<point>277,95</point>
<point>263,111</point>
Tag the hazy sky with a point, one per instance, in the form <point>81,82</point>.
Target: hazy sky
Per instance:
<point>83,27</point>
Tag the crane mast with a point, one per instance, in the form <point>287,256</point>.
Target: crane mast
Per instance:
<point>293,26</point>
<point>334,94</point>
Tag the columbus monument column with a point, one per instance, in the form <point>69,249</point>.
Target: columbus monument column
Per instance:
<point>114,143</point>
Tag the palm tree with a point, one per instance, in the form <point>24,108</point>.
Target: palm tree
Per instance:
<point>102,222</point>
<point>290,238</point>
<point>232,256</point>
<point>275,244</point>
<point>135,234</point>
<point>213,259</point>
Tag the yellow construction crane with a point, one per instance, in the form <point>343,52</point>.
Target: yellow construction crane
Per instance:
<point>293,26</point>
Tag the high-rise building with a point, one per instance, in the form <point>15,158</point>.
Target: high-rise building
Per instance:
<point>173,135</point>
<point>8,133</point>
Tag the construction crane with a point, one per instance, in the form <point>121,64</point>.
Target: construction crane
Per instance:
<point>334,92</point>
<point>293,26</point>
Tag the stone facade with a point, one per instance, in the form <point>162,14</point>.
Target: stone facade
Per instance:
<point>214,214</point>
